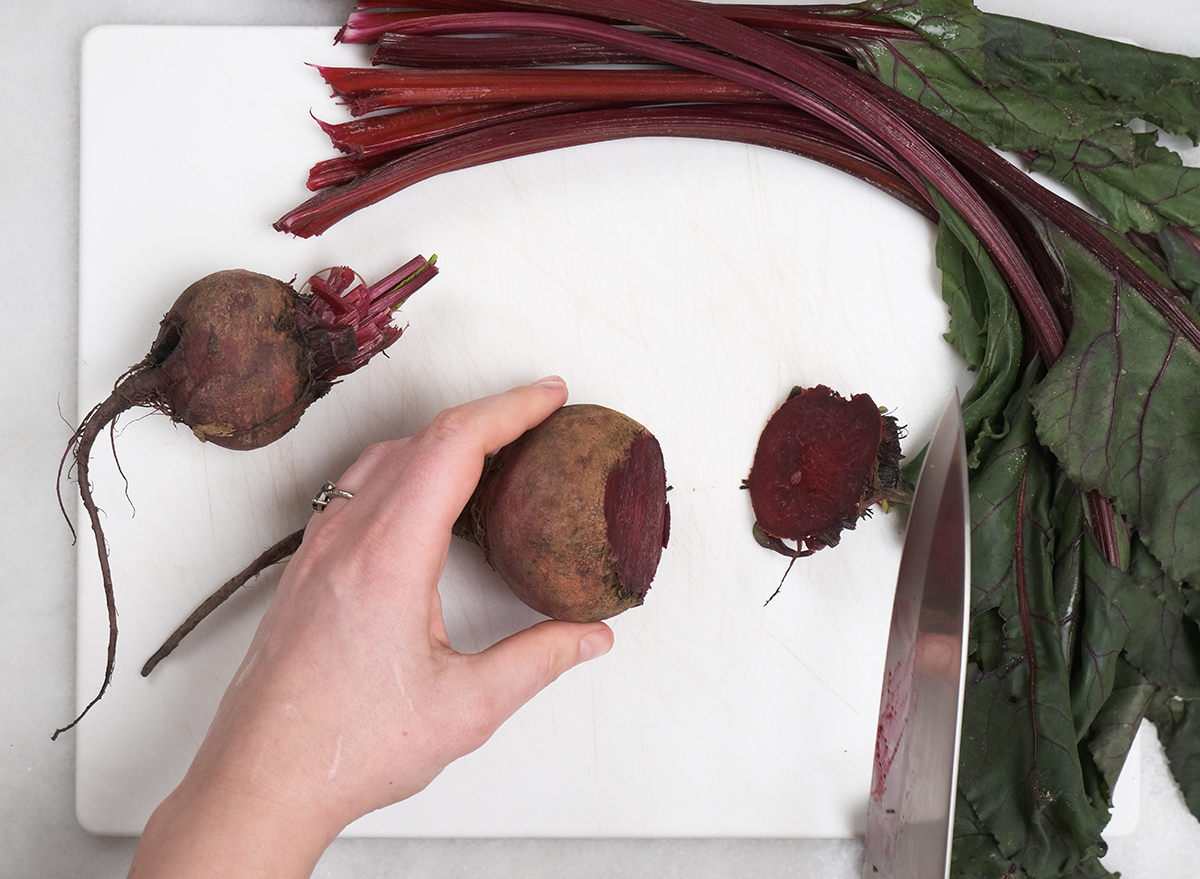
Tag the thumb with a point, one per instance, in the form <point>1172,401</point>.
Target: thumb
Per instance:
<point>520,666</point>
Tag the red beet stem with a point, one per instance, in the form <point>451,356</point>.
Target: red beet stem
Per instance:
<point>406,128</point>
<point>780,128</point>
<point>828,22</point>
<point>340,171</point>
<point>497,51</point>
<point>371,89</point>
<point>916,143</point>
<point>800,77</point>
<point>793,74</point>
<point>367,27</point>
<point>373,20</point>
<point>372,141</point>
<point>366,309</point>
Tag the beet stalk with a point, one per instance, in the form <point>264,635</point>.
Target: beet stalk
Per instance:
<point>238,359</point>
<point>366,90</point>
<point>408,50</point>
<point>368,181</point>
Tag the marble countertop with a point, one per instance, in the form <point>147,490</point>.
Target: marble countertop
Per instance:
<point>39,155</point>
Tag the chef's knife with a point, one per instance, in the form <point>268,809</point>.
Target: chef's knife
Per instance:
<point>910,814</point>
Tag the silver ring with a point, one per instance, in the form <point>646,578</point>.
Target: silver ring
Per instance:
<point>327,493</point>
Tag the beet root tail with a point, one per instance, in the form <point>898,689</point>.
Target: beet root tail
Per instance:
<point>136,389</point>
<point>274,555</point>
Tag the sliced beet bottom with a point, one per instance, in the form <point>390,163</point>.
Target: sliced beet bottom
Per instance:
<point>822,462</point>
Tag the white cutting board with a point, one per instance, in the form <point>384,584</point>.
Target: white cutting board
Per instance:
<point>688,284</point>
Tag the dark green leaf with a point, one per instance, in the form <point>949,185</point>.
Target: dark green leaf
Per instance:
<point>975,853</point>
<point>1145,192</point>
<point>1067,652</point>
<point>1168,651</point>
<point>1177,720</point>
<point>1159,87</point>
<point>1118,410</point>
<point>948,24</point>
<point>1181,250</point>
<point>1063,98</point>
<point>1094,628</point>
<point>1110,734</point>
<point>1020,769</point>
<point>985,327</point>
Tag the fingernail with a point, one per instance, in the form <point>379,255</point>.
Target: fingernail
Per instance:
<point>594,644</point>
<point>550,382</point>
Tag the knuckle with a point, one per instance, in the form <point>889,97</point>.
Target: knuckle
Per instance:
<point>375,454</point>
<point>452,425</point>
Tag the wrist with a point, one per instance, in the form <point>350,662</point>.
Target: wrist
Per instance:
<point>213,825</point>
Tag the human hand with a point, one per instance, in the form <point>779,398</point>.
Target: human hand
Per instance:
<point>350,697</point>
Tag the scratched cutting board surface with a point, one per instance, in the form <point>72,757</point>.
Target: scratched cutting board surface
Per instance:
<point>689,284</point>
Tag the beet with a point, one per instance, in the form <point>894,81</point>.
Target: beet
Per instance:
<point>238,359</point>
<point>822,462</point>
<point>573,515</point>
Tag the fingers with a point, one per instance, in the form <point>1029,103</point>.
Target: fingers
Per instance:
<point>514,670</point>
<point>482,426</point>
<point>448,454</point>
<point>419,485</point>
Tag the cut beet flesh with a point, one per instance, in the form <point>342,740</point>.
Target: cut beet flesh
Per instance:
<point>822,461</point>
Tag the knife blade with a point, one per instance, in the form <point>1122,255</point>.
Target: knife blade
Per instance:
<point>910,813</point>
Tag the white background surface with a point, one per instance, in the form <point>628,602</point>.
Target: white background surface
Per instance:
<point>39,239</point>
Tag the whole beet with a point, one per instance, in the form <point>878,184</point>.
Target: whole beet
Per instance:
<point>231,360</point>
<point>238,358</point>
<point>573,515</point>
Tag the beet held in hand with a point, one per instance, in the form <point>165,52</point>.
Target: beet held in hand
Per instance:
<point>238,359</point>
<point>573,515</point>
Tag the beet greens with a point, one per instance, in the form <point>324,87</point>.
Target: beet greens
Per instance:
<point>1084,440</point>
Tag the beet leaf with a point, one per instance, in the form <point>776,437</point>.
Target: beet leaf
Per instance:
<point>1046,642</point>
<point>1177,721</point>
<point>1118,409</point>
<point>1062,98</point>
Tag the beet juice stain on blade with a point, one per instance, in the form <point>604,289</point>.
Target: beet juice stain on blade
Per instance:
<point>910,813</point>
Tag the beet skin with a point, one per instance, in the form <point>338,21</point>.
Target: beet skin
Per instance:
<point>573,515</point>
<point>235,363</point>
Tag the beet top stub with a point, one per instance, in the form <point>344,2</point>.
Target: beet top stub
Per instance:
<point>822,462</point>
